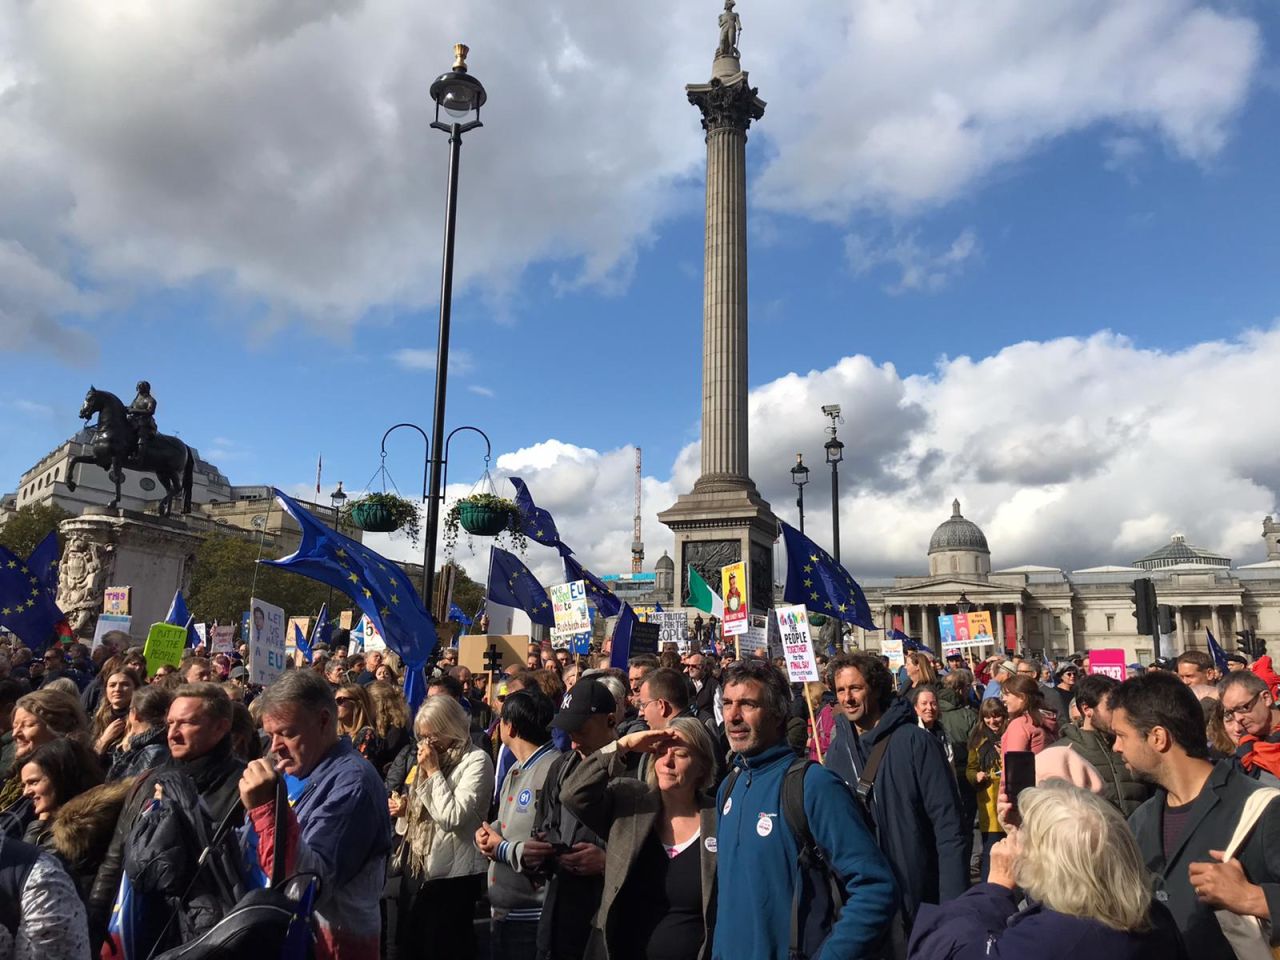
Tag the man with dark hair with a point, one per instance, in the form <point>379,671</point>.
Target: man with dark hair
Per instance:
<point>516,883</point>
<point>1197,670</point>
<point>902,773</point>
<point>759,867</point>
<point>1092,739</point>
<point>337,825</point>
<point>1159,730</point>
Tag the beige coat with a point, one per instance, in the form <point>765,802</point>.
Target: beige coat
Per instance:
<point>456,804</point>
<point>624,811</point>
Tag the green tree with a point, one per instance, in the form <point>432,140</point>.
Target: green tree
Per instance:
<point>223,580</point>
<point>24,530</point>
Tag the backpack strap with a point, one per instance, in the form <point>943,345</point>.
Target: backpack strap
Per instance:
<point>810,857</point>
<point>868,778</point>
<point>730,781</point>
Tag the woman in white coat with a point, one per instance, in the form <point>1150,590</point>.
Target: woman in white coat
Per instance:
<point>447,794</point>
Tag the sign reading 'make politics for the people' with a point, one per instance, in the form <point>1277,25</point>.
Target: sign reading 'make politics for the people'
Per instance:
<point>893,650</point>
<point>797,645</point>
<point>572,615</point>
<point>733,580</point>
<point>673,628</point>
<point>1109,663</point>
<point>266,642</point>
<point>164,646</point>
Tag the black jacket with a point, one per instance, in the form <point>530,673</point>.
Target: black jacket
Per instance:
<point>1120,787</point>
<point>1213,818</point>
<point>145,751</point>
<point>915,803</point>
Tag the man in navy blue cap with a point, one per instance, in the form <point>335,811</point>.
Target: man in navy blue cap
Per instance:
<point>589,715</point>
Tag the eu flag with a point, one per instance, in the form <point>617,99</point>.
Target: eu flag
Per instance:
<point>620,652</point>
<point>180,616</point>
<point>27,604</point>
<point>604,599</point>
<point>1219,655</point>
<point>320,632</point>
<point>911,646</point>
<point>376,585</point>
<point>458,615</point>
<point>301,642</point>
<point>820,583</point>
<point>43,562</point>
<point>537,523</point>
<point>512,585</point>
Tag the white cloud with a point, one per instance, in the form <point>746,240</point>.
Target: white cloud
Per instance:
<point>281,152</point>
<point>916,267</point>
<point>410,358</point>
<point>480,391</point>
<point>31,408</point>
<point>1071,452</point>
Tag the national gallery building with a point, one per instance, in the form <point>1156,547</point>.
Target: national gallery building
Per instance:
<point>1053,613</point>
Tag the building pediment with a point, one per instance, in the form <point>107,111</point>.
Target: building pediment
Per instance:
<point>947,590</point>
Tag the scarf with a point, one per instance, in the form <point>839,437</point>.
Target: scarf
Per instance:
<point>989,751</point>
<point>420,829</point>
<point>1255,754</point>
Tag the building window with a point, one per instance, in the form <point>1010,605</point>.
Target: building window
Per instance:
<point>1057,622</point>
<point>1111,622</point>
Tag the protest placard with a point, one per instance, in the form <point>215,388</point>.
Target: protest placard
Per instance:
<point>372,639</point>
<point>222,639</point>
<point>572,616</point>
<point>733,580</point>
<point>266,642</point>
<point>202,634</point>
<point>1109,663</point>
<point>115,600</point>
<point>164,646</point>
<point>108,622</point>
<point>644,639</point>
<point>674,628</point>
<point>290,642</point>
<point>797,645</point>
<point>893,650</point>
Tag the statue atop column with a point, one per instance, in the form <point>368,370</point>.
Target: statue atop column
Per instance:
<point>730,31</point>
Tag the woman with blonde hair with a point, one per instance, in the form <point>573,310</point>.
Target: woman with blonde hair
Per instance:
<point>355,718</point>
<point>390,721</point>
<point>38,718</point>
<point>1088,892</point>
<point>660,855</point>
<point>920,670</point>
<point>448,792</point>
<point>111,719</point>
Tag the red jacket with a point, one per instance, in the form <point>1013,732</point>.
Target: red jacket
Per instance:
<point>1262,667</point>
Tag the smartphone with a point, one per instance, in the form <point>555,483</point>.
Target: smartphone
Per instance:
<point>560,849</point>
<point>1019,773</point>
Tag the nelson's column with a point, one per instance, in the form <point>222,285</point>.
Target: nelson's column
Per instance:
<point>724,519</point>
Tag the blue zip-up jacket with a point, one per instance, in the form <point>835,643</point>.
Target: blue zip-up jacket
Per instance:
<point>757,866</point>
<point>915,803</point>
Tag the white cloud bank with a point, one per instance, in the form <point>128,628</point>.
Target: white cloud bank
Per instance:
<point>1070,452</point>
<point>280,151</point>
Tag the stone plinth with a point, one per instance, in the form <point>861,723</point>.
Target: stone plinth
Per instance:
<point>714,529</point>
<point>154,555</point>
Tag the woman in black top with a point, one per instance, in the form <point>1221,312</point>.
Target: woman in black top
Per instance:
<point>659,875</point>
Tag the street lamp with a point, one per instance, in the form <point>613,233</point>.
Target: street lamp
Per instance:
<point>336,500</point>
<point>963,605</point>
<point>800,476</point>
<point>460,95</point>
<point>426,567</point>
<point>835,453</point>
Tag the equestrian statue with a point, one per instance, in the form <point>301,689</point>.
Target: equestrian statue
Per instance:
<point>126,438</point>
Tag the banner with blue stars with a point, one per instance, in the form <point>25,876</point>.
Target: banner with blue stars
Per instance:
<point>512,585</point>
<point>599,594</point>
<point>821,584</point>
<point>538,524</point>
<point>27,598</point>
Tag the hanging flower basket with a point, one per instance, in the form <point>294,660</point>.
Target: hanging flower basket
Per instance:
<point>484,515</point>
<point>384,513</point>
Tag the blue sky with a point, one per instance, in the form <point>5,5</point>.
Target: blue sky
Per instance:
<point>1154,218</point>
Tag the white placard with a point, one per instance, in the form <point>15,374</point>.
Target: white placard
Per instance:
<point>893,650</point>
<point>202,634</point>
<point>673,628</point>
<point>373,640</point>
<point>572,615</point>
<point>797,645</point>
<point>223,638</point>
<point>266,642</point>
<point>108,622</point>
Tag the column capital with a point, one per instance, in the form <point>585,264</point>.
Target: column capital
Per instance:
<point>731,105</point>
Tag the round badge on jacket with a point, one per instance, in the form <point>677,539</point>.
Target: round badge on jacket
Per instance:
<point>525,796</point>
<point>764,826</point>
<point>728,805</point>
<point>710,844</point>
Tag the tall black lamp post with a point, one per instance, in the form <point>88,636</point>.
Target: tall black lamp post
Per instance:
<point>800,476</point>
<point>963,605</point>
<point>336,500</point>
<point>835,453</point>
<point>460,95</point>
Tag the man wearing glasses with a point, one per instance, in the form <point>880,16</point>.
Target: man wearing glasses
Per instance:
<point>1253,723</point>
<point>695,668</point>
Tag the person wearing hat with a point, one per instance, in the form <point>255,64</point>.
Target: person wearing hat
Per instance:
<point>1237,662</point>
<point>589,716</point>
<point>1002,671</point>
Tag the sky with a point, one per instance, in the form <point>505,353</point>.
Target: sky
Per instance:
<point>1031,249</point>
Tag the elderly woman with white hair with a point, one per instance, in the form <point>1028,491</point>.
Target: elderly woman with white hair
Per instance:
<point>447,794</point>
<point>1088,893</point>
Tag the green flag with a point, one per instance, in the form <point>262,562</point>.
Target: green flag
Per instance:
<point>702,597</point>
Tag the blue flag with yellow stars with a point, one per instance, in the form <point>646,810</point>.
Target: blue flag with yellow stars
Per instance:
<point>909,645</point>
<point>43,561</point>
<point>512,585</point>
<point>458,615</point>
<point>376,585</point>
<point>537,523</point>
<point>604,599</point>
<point>323,628</point>
<point>27,604</point>
<point>300,642</point>
<point>820,583</point>
<point>1219,655</point>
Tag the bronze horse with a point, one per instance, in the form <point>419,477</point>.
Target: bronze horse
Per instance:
<point>114,446</point>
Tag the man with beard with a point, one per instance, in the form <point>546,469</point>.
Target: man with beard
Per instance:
<point>902,773</point>
<point>1184,828</point>
<point>1092,739</point>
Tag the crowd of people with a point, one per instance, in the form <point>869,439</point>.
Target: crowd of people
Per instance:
<point>688,808</point>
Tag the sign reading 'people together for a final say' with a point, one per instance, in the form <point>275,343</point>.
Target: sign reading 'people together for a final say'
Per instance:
<point>797,644</point>
<point>733,580</point>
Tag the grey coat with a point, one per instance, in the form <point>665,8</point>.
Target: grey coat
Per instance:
<point>625,811</point>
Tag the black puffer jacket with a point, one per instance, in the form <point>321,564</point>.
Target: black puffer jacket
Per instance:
<point>1121,788</point>
<point>145,752</point>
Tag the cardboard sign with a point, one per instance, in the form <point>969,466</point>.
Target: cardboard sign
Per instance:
<point>1109,663</point>
<point>290,643</point>
<point>115,600</point>
<point>644,639</point>
<point>346,619</point>
<point>893,650</point>
<point>674,628</point>
<point>572,616</point>
<point>797,645</point>
<point>223,639</point>
<point>164,647</point>
<point>266,642</point>
<point>733,581</point>
<point>512,648</point>
<point>110,623</point>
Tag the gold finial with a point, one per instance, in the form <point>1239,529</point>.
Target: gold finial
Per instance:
<point>460,51</point>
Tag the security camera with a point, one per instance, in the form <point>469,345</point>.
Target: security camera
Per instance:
<point>831,409</point>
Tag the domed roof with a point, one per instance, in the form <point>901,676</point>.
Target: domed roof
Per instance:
<point>664,562</point>
<point>958,534</point>
<point>1177,551</point>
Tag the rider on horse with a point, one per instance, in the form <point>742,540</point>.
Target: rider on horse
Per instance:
<point>142,418</point>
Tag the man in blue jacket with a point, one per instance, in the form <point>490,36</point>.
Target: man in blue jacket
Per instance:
<point>758,855</point>
<point>914,800</point>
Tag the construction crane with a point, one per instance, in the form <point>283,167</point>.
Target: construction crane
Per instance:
<point>637,545</point>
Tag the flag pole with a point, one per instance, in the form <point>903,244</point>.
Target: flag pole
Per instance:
<point>813,720</point>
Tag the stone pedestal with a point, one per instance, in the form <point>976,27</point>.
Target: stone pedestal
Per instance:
<point>724,519</point>
<point>154,555</point>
